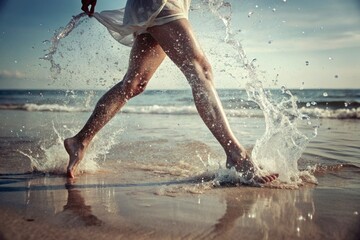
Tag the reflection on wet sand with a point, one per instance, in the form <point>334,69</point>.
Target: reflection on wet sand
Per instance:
<point>222,213</point>
<point>262,213</point>
<point>76,210</point>
<point>234,210</point>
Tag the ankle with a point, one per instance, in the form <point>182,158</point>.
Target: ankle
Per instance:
<point>76,141</point>
<point>81,140</point>
<point>236,153</point>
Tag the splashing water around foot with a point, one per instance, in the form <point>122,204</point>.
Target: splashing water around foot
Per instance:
<point>50,156</point>
<point>282,144</point>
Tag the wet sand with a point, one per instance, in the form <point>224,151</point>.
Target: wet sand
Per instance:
<point>101,206</point>
<point>129,196</point>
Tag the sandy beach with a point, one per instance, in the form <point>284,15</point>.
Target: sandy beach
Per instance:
<point>100,207</point>
<point>137,182</point>
<point>126,195</point>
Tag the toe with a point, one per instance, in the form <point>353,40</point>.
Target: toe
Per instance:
<point>70,174</point>
<point>267,179</point>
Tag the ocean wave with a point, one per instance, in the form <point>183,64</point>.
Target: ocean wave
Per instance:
<point>31,107</point>
<point>344,113</point>
<point>330,104</point>
<point>157,109</point>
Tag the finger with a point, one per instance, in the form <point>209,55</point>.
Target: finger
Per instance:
<point>92,9</point>
<point>85,8</point>
<point>86,4</point>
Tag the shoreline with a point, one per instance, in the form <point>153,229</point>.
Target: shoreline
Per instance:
<point>57,209</point>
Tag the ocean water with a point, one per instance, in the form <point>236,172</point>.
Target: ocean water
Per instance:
<point>159,132</point>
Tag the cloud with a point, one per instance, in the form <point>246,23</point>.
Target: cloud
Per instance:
<point>304,27</point>
<point>335,41</point>
<point>6,74</point>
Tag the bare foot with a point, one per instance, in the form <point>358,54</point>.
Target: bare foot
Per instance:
<point>76,151</point>
<point>244,165</point>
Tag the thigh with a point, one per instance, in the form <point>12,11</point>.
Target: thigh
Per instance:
<point>145,57</point>
<point>178,41</point>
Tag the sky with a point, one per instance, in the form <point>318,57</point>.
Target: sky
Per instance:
<point>293,43</point>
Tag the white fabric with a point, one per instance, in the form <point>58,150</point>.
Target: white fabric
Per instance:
<point>138,15</point>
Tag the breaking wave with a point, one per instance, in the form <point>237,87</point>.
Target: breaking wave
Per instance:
<point>343,113</point>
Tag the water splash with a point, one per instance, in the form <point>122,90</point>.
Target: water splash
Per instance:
<point>61,33</point>
<point>282,144</point>
<point>52,156</point>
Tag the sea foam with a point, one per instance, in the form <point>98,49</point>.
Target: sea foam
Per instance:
<point>282,144</point>
<point>314,112</point>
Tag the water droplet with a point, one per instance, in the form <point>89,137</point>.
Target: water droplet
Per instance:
<point>325,94</point>
<point>284,1</point>
<point>307,63</point>
<point>356,213</point>
<point>313,103</point>
<point>283,89</point>
<point>330,58</point>
<point>308,104</point>
<point>302,86</point>
<point>250,13</point>
<point>15,61</point>
<point>301,218</point>
<point>274,9</point>
<point>315,133</point>
<point>346,104</point>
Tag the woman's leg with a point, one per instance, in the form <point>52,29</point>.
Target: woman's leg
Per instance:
<point>179,43</point>
<point>145,57</point>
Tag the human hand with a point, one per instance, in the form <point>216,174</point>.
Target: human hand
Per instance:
<point>85,6</point>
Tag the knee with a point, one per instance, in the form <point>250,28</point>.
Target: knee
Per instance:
<point>134,84</point>
<point>199,71</point>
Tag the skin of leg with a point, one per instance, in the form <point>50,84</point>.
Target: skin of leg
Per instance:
<point>145,57</point>
<point>179,43</point>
